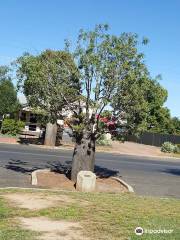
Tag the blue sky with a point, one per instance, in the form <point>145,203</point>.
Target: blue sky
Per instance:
<point>39,24</point>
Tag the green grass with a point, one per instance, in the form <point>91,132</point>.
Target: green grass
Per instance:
<point>9,229</point>
<point>103,216</point>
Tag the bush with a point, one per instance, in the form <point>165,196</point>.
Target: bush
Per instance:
<point>178,145</point>
<point>11,126</point>
<point>169,147</point>
<point>103,141</point>
<point>177,148</point>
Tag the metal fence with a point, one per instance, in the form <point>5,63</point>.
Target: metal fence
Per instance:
<point>154,139</point>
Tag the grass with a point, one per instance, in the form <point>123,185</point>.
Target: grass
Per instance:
<point>103,216</point>
<point>9,229</point>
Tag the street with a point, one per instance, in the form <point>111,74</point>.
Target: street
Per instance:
<point>156,177</point>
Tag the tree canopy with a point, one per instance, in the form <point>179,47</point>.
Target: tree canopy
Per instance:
<point>8,94</point>
<point>49,81</point>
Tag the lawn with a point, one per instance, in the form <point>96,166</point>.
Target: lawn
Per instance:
<point>102,216</point>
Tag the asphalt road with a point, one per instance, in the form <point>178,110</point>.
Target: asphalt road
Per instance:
<point>148,176</point>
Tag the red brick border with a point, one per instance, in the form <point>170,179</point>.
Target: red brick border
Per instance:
<point>8,140</point>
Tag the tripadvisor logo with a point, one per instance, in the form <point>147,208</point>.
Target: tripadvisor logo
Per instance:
<point>139,231</point>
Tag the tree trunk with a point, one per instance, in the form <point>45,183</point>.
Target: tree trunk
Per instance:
<point>83,156</point>
<point>51,132</point>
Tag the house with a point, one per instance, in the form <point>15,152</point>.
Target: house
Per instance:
<point>32,126</point>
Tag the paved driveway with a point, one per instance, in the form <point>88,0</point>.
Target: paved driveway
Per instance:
<point>148,176</point>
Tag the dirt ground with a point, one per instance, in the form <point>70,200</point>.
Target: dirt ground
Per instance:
<point>53,230</point>
<point>60,181</point>
<point>135,149</point>
<point>54,180</point>
<point>36,202</point>
<point>129,148</point>
<point>49,229</point>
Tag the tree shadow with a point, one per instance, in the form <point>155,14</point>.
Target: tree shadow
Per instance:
<point>65,168</point>
<point>102,172</point>
<point>19,166</point>
<point>172,171</point>
<point>58,167</point>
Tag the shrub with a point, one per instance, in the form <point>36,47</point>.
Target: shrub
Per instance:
<point>178,145</point>
<point>12,127</point>
<point>103,141</point>
<point>168,147</point>
<point>177,148</point>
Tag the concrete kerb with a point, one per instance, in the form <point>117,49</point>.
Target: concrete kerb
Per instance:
<point>34,180</point>
<point>126,185</point>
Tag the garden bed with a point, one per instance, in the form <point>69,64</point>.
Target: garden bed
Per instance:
<point>50,179</point>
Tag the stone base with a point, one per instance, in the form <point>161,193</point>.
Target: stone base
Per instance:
<point>86,181</point>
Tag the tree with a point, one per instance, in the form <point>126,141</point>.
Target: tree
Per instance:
<point>49,82</point>
<point>8,95</point>
<point>141,102</point>
<point>176,125</point>
<point>104,72</point>
<point>104,62</point>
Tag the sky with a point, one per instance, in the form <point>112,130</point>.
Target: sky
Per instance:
<point>32,26</point>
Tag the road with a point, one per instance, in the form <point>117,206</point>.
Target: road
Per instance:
<point>156,177</point>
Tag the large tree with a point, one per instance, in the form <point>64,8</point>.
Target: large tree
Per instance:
<point>49,82</point>
<point>108,70</point>
<point>105,62</point>
<point>8,94</point>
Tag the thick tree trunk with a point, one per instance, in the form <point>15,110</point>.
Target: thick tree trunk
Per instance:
<point>83,156</point>
<point>51,132</point>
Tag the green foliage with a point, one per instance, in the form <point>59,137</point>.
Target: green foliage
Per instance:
<point>106,114</point>
<point>177,148</point>
<point>49,81</point>
<point>140,99</point>
<point>103,141</point>
<point>111,69</point>
<point>8,94</point>
<point>175,126</point>
<point>169,147</point>
<point>12,127</point>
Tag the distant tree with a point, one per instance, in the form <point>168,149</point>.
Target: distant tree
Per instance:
<point>8,95</point>
<point>49,82</point>
<point>176,125</point>
<point>142,103</point>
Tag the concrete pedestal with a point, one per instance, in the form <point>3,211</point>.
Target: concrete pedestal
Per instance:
<point>86,181</point>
